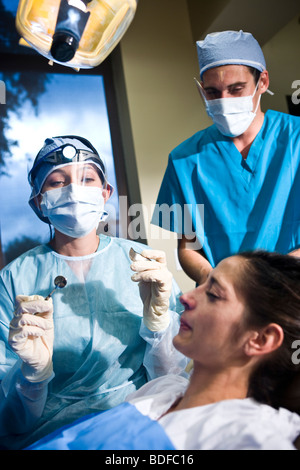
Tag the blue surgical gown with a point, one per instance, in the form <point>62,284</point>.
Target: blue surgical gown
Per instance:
<point>102,349</point>
<point>231,204</point>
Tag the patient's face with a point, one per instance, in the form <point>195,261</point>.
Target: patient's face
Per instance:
<point>212,326</point>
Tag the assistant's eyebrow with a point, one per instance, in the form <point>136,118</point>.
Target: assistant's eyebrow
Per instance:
<point>232,85</point>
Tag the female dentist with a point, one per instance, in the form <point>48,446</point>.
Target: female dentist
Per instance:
<point>86,348</point>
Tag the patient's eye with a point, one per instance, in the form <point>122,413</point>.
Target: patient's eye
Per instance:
<point>212,297</point>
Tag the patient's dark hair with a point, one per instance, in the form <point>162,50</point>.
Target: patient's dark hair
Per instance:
<point>271,288</point>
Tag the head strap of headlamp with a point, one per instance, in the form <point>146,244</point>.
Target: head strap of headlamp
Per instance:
<point>63,155</point>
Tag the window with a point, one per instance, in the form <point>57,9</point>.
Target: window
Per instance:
<point>44,101</point>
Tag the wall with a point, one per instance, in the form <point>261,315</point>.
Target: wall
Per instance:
<point>283,64</point>
<point>160,61</point>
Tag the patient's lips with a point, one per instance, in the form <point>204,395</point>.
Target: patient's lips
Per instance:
<point>184,326</point>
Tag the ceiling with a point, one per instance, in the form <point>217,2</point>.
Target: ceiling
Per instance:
<point>263,18</point>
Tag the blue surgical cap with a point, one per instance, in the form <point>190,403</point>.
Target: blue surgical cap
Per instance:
<point>229,48</point>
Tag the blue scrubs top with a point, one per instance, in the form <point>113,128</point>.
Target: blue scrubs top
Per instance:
<point>232,204</point>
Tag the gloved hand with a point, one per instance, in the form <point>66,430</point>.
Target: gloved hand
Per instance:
<point>155,284</point>
<point>31,336</point>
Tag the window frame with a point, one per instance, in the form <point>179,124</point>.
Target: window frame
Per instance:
<point>118,117</point>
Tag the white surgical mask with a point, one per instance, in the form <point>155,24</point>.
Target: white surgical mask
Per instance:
<point>74,210</point>
<point>232,116</point>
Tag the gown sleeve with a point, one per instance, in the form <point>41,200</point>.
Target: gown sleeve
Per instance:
<point>161,357</point>
<point>21,402</point>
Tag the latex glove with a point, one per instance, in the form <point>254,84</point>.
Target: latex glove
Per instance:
<point>31,336</point>
<point>155,284</point>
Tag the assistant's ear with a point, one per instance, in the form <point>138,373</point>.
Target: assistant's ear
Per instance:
<point>264,341</point>
<point>264,81</point>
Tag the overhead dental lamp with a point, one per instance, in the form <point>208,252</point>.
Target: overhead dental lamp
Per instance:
<point>74,33</point>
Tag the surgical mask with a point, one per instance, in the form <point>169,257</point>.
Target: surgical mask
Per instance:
<point>232,116</point>
<point>74,210</point>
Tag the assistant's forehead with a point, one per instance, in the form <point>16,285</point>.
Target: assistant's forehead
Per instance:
<point>227,73</point>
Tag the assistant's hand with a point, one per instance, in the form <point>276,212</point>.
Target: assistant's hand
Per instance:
<point>31,336</point>
<point>155,284</point>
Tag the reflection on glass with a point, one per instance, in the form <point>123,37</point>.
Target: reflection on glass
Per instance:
<point>67,104</point>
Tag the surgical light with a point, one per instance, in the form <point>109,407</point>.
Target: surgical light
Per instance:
<point>74,33</point>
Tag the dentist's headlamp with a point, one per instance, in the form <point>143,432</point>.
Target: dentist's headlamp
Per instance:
<point>64,155</point>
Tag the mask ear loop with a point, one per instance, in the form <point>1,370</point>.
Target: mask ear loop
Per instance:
<point>199,88</point>
<point>258,101</point>
<point>201,91</point>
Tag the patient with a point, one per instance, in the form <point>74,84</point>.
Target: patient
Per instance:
<point>239,329</point>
